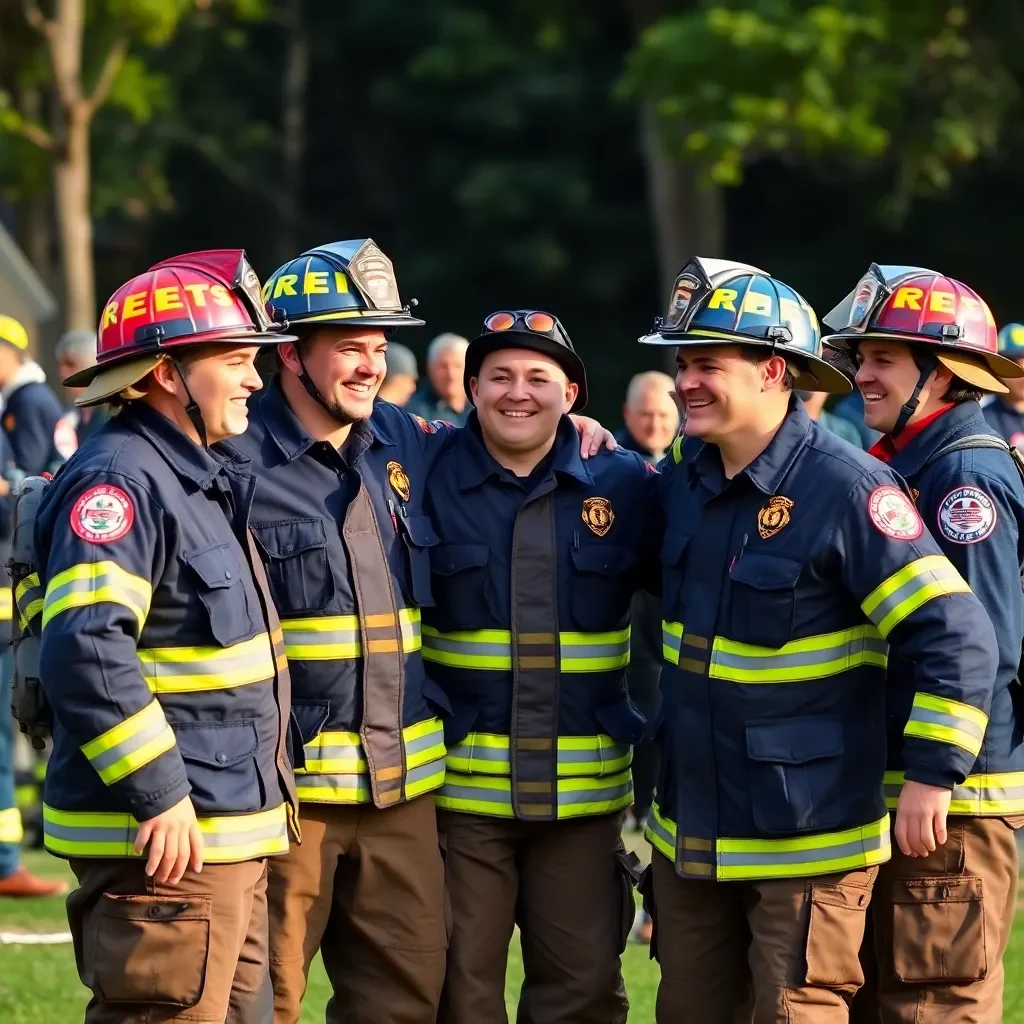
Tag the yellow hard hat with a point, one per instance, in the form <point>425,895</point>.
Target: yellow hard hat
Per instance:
<point>13,333</point>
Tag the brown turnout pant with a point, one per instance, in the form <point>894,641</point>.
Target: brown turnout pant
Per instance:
<point>939,928</point>
<point>783,951</point>
<point>195,951</point>
<point>366,888</point>
<point>566,885</point>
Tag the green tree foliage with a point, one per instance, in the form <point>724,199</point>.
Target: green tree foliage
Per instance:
<point>920,85</point>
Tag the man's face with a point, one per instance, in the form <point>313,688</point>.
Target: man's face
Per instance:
<point>720,389</point>
<point>886,378</point>
<point>221,379</point>
<point>347,365</point>
<point>520,396</point>
<point>445,371</point>
<point>652,418</point>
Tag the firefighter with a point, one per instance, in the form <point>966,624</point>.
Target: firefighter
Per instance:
<point>339,521</point>
<point>792,562</point>
<point>926,348</point>
<point>32,416</point>
<point>539,556</point>
<point>168,787</point>
<point>1004,410</point>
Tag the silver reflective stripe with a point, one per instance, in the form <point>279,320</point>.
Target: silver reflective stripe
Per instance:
<point>596,795</point>
<point>826,853</point>
<point>318,638</point>
<point>91,833</point>
<point>116,580</point>
<point>425,742</point>
<point>424,771</point>
<point>128,746</point>
<point>942,571</point>
<point>359,783</point>
<point>661,832</point>
<point>965,725</point>
<point>612,753</point>
<point>346,751</point>
<point>252,835</point>
<point>468,751</point>
<point>497,648</point>
<point>157,668</point>
<point>669,639</point>
<point>574,651</point>
<point>498,797</point>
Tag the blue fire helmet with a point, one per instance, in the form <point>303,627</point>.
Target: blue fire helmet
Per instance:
<point>719,302</point>
<point>1011,341</point>
<point>343,284</point>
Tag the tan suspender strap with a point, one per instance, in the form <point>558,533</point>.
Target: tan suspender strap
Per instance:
<point>383,659</point>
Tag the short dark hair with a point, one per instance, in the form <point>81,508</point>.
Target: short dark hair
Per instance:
<point>759,355</point>
<point>960,391</point>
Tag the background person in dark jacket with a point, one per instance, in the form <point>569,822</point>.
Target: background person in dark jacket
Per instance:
<point>442,395</point>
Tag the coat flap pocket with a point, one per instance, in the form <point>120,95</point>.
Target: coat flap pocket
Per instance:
<point>446,559</point>
<point>419,531</point>
<point>795,740</point>
<point>217,567</point>
<point>290,536</point>
<point>767,572</point>
<point>217,746</point>
<point>673,546</point>
<point>310,717</point>
<point>603,559</point>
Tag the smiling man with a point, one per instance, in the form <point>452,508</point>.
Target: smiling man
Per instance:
<point>340,522</point>
<point>539,556</point>
<point>927,351</point>
<point>792,561</point>
<point>168,787</point>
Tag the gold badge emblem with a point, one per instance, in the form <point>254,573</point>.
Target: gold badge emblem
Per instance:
<point>598,515</point>
<point>774,516</point>
<point>398,480</point>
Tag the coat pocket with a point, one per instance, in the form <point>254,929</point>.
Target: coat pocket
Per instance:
<point>459,582</point>
<point>601,587</point>
<point>762,599</point>
<point>939,929</point>
<point>298,569</point>
<point>217,573</point>
<point>796,774</point>
<point>220,761</point>
<point>151,949</point>
<point>418,537</point>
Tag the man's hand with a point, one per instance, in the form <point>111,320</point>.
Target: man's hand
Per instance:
<point>592,436</point>
<point>174,842</point>
<point>921,818</point>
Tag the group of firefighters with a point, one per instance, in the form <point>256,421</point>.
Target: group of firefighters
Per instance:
<point>326,676</point>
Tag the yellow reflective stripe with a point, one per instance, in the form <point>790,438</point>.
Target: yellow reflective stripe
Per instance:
<point>488,754</point>
<point>130,744</point>
<point>226,839</point>
<point>671,640</point>
<point>577,797</point>
<point>189,669</point>
<point>10,826</point>
<point>821,853</point>
<point>339,638</point>
<point>339,754</point>
<point>947,721</point>
<point>911,587</point>
<point>6,604</point>
<point>29,599</point>
<point>491,650</point>
<point>677,450</point>
<point>813,657</point>
<point>990,794</point>
<point>95,583</point>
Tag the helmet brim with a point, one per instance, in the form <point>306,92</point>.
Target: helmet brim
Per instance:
<point>811,372</point>
<point>483,345</point>
<point>110,381</point>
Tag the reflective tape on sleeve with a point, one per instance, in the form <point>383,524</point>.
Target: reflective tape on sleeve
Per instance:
<point>194,669</point>
<point>911,587</point>
<point>130,744</point>
<point>947,721</point>
<point>92,583</point>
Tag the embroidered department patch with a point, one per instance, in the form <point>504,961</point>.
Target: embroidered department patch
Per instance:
<point>598,515</point>
<point>894,514</point>
<point>102,514</point>
<point>774,516</point>
<point>967,515</point>
<point>398,480</point>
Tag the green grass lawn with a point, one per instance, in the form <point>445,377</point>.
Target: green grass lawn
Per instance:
<point>39,984</point>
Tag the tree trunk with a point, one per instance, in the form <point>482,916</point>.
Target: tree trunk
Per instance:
<point>293,127</point>
<point>74,220</point>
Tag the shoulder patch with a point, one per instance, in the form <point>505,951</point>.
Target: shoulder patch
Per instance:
<point>427,428</point>
<point>102,514</point>
<point>893,513</point>
<point>967,515</point>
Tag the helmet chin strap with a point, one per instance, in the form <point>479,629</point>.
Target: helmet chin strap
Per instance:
<point>311,389</point>
<point>926,364</point>
<point>192,407</point>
